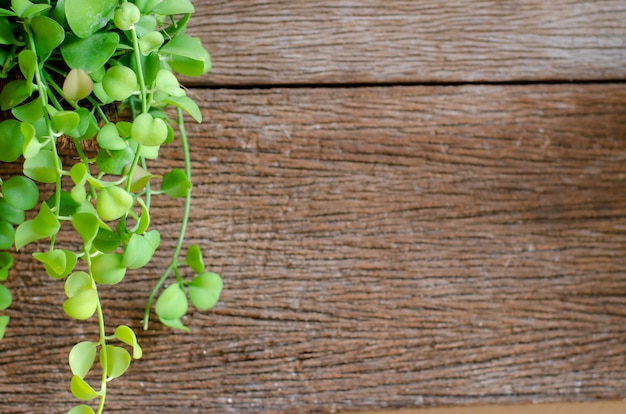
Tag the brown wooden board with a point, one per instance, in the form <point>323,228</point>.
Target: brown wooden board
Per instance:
<point>381,248</point>
<point>372,41</point>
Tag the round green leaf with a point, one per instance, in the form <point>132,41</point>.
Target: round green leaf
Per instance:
<point>81,409</point>
<point>205,289</point>
<point>127,335</point>
<point>20,192</point>
<point>82,357</point>
<point>117,362</point>
<point>126,15</point>
<point>106,241</point>
<point>58,263</point>
<point>7,235</point>
<point>7,36</point>
<point>90,53</point>
<point>113,203</point>
<point>119,82</point>
<point>113,162</point>
<point>48,34</point>
<point>5,297</point>
<point>139,251</point>
<point>109,138</point>
<point>42,167</point>
<point>82,305</point>
<point>172,304</point>
<point>14,93</point>
<point>170,7</point>
<point>108,269</point>
<point>77,85</point>
<point>175,183</point>
<point>81,390</point>
<point>11,213</point>
<point>65,121</point>
<point>149,131</point>
<point>87,225</point>
<point>151,42</point>
<point>76,283</point>
<point>11,140</point>
<point>86,17</point>
<point>194,258</point>
<point>29,112</point>
<point>174,323</point>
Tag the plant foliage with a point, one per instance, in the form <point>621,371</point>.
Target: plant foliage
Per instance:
<point>64,64</point>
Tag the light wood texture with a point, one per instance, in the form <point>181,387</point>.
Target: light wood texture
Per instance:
<point>289,42</point>
<point>381,248</point>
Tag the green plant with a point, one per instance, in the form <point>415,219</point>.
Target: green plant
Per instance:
<point>65,63</point>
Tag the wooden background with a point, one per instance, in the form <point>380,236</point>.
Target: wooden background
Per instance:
<point>412,203</point>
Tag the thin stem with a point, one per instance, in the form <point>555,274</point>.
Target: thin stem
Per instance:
<point>142,82</point>
<point>183,224</point>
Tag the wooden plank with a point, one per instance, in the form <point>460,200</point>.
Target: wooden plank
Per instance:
<point>603,407</point>
<point>388,41</point>
<point>382,248</point>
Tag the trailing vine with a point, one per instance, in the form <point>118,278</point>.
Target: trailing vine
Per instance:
<point>65,63</point>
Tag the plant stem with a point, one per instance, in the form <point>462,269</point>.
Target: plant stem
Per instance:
<point>183,224</point>
<point>142,82</point>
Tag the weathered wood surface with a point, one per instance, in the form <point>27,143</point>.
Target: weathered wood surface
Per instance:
<point>381,248</point>
<point>372,41</point>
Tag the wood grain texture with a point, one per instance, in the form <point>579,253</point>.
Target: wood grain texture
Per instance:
<point>381,248</point>
<point>371,41</point>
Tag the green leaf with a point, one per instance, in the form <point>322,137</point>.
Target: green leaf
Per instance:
<point>146,24</point>
<point>65,121</point>
<point>149,131</point>
<point>113,203</point>
<point>31,146</point>
<point>174,323</point>
<point>90,53</point>
<point>186,104</point>
<point>87,226</point>
<point>29,112</point>
<point>7,36</point>
<point>4,321</point>
<point>106,241</point>
<point>109,138</point>
<point>77,85</point>
<point>150,42</point>
<point>117,361</point>
<point>20,192</point>
<point>169,7</point>
<point>167,82</point>
<point>27,60</point>
<point>126,15</point>
<point>82,357</point>
<point>11,213</point>
<point>14,93</point>
<point>175,183</point>
<point>81,390</point>
<point>108,269</point>
<point>58,263</point>
<point>113,162</point>
<point>81,409</point>
<point>194,258</point>
<point>25,8</point>
<point>76,283</point>
<point>146,6</point>
<point>11,140</point>
<point>144,219</point>
<point>45,224</point>
<point>42,167</point>
<point>5,297</point>
<point>127,335</point>
<point>6,262</point>
<point>119,82</point>
<point>172,304</point>
<point>85,17</point>
<point>47,33</point>
<point>82,305</point>
<point>205,289</point>
<point>139,251</point>
<point>187,55</point>
<point>7,235</point>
